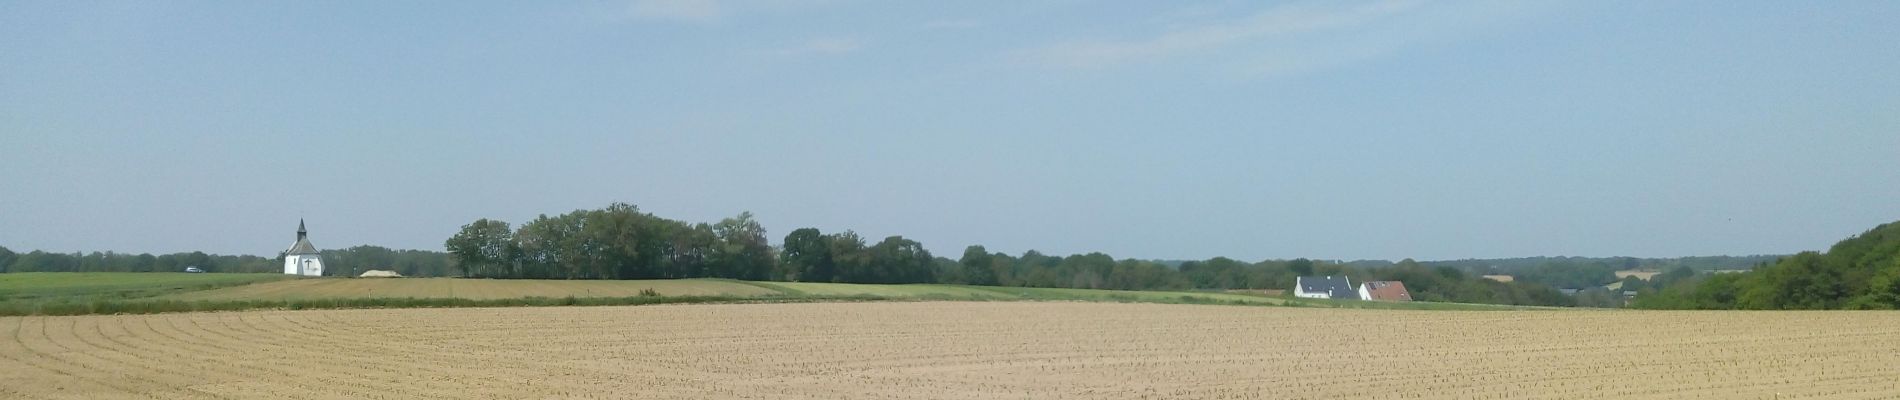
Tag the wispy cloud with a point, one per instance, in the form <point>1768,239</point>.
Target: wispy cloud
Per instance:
<point>1287,38</point>
<point>822,46</point>
<point>1282,21</point>
<point>950,24</point>
<point>677,10</point>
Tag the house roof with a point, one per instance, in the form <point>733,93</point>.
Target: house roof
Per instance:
<point>302,246</point>
<point>1337,285</point>
<point>1387,291</point>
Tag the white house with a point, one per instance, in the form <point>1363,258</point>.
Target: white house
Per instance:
<point>1327,287</point>
<point>302,258</point>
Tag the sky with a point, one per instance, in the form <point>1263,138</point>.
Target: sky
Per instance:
<point>1155,130</point>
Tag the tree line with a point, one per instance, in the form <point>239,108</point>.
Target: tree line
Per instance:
<point>337,262</point>
<point>41,261</point>
<point>621,242</point>
<point>1861,272</point>
<point>616,242</point>
<point>1100,271</point>
<point>1512,266</point>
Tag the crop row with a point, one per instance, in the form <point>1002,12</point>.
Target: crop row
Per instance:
<point>946,350</point>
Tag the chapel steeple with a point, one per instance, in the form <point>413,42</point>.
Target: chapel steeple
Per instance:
<point>303,258</point>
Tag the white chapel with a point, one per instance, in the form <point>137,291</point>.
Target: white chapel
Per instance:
<point>302,258</point>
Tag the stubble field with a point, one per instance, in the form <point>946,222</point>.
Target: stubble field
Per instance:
<point>952,350</point>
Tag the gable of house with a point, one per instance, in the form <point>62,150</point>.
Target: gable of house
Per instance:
<point>1386,291</point>
<point>1337,287</point>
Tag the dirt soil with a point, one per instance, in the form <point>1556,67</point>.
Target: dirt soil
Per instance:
<point>952,350</point>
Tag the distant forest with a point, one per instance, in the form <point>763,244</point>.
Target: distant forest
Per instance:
<point>621,242</point>
<point>1861,272</point>
<point>339,262</point>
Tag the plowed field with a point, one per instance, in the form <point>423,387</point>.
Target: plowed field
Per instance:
<point>952,350</point>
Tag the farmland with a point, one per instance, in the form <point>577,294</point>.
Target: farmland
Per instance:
<point>478,289</point>
<point>141,293</point>
<point>497,289</point>
<point>1644,275</point>
<point>951,350</point>
<point>88,285</point>
<point>31,293</point>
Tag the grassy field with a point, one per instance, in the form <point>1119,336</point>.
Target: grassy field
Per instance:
<point>20,293</point>
<point>896,291</point>
<point>1639,274</point>
<point>141,293</point>
<point>473,289</point>
<point>68,285</point>
<point>1131,295</point>
<point>952,350</point>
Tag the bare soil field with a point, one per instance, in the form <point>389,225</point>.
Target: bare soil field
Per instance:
<point>953,350</point>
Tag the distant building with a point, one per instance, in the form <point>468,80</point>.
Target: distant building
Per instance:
<point>1328,287</point>
<point>302,258</point>
<point>380,273</point>
<point>1384,291</point>
<point>1501,278</point>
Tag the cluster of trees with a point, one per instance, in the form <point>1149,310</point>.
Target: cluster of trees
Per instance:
<point>620,242</point>
<point>1569,274</point>
<point>617,242</point>
<point>1511,266</point>
<point>1450,284</point>
<point>355,260</point>
<point>1861,272</point>
<point>1100,271</point>
<point>812,256</point>
<point>40,261</point>
<point>979,266</point>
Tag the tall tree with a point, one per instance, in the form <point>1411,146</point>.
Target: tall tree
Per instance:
<point>743,248</point>
<point>807,256</point>
<point>849,261</point>
<point>978,266</point>
<point>483,248</point>
<point>6,258</point>
<point>1301,267</point>
<point>897,260</point>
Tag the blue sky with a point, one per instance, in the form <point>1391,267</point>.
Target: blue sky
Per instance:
<point>1337,130</point>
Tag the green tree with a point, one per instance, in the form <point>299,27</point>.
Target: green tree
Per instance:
<point>6,259</point>
<point>1301,267</point>
<point>548,247</point>
<point>1883,290</point>
<point>483,248</point>
<point>850,261</point>
<point>979,267</point>
<point>807,256</point>
<point>693,252</point>
<point>1633,283</point>
<point>145,263</point>
<point>892,260</point>
<point>743,249</point>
